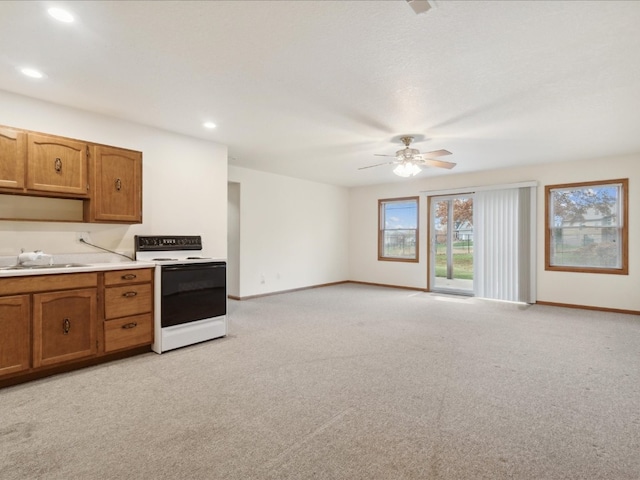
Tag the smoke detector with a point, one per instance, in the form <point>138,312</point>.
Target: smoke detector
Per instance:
<point>419,6</point>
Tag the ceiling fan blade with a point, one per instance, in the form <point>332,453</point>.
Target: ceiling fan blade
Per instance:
<point>435,153</point>
<point>376,165</point>
<point>382,155</point>
<point>437,163</point>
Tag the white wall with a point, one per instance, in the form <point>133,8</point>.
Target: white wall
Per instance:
<point>294,233</point>
<point>597,290</point>
<point>184,182</point>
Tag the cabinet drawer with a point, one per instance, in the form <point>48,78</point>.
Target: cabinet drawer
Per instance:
<point>44,283</point>
<point>127,300</point>
<point>128,332</point>
<point>122,277</point>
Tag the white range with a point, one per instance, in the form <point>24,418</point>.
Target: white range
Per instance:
<point>190,292</point>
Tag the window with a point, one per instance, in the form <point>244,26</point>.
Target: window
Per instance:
<point>586,227</point>
<point>398,229</point>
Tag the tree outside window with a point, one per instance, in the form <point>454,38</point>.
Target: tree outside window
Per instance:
<point>586,227</point>
<point>398,229</point>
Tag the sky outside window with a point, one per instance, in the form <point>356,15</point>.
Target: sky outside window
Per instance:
<point>401,215</point>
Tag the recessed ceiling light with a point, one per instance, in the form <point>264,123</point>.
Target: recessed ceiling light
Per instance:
<point>209,125</point>
<point>61,15</point>
<point>31,72</point>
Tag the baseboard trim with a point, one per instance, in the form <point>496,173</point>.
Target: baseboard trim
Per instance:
<point>260,295</point>
<point>415,289</point>
<point>588,307</point>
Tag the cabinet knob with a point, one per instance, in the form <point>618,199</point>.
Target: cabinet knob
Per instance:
<point>129,276</point>
<point>66,326</point>
<point>129,325</point>
<point>129,294</point>
<point>118,184</point>
<point>57,165</point>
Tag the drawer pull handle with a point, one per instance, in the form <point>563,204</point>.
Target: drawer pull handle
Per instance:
<point>129,276</point>
<point>130,325</point>
<point>118,184</point>
<point>57,165</point>
<point>129,294</point>
<point>66,326</point>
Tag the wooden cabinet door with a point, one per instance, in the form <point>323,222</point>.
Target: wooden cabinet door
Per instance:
<point>13,156</point>
<point>64,325</point>
<point>15,344</point>
<point>117,180</point>
<point>56,164</point>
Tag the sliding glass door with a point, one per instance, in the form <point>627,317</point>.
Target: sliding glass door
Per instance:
<point>451,262</point>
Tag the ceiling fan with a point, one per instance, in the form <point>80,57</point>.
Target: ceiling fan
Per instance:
<point>409,160</point>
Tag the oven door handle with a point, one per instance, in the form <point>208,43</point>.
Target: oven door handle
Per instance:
<point>192,266</point>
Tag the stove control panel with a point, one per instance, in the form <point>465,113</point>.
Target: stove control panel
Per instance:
<point>144,243</point>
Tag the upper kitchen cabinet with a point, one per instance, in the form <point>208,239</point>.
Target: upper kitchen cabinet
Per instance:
<point>116,184</point>
<point>50,178</point>
<point>13,153</point>
<point>57,165</point>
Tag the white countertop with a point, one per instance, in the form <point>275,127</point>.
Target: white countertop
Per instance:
<point>93,267</point>
<point>91,262</point>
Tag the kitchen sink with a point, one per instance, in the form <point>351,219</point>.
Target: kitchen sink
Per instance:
<point>40,267</point>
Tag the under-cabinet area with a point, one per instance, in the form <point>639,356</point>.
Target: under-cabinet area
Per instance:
<point>50,323</point>
<point>105,181</point>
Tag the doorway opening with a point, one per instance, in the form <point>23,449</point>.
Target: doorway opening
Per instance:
<point>451,244</point>
<point>233,240</point>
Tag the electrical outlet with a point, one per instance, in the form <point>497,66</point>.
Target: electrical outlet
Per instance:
<point>83,236</point>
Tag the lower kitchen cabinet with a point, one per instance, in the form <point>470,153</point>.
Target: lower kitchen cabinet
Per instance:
<point>15,344</point>
<point>64,326</point>
<point>54,323</point>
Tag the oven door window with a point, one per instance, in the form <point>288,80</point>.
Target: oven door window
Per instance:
<point>193,292</point>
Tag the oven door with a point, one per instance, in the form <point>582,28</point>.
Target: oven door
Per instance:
<point>193,292</point>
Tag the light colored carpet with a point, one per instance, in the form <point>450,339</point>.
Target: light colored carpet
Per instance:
<point>348,382</point>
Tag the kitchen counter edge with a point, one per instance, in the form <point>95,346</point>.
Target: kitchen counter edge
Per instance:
<point>95,267</point>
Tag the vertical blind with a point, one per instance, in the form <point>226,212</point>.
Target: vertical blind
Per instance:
<point>504,260</point>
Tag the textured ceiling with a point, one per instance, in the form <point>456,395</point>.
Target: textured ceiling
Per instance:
<point>313,89</point>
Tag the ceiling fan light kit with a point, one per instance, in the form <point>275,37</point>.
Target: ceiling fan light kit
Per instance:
<point>407,169</point>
